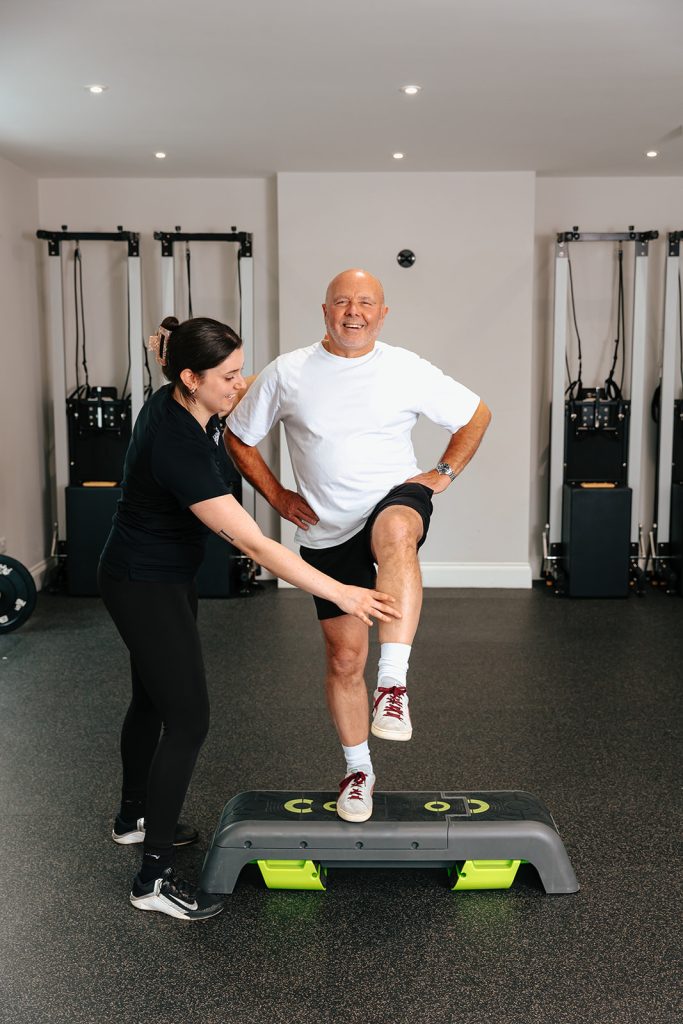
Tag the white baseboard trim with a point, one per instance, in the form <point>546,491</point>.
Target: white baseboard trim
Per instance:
<point>506,575</point>
<point>40,571</point>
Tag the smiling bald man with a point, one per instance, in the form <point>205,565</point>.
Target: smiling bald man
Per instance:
<point>362,506</point>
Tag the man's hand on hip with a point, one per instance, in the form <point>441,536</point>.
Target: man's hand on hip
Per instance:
<point>296,509</point>
<point>436,481</point>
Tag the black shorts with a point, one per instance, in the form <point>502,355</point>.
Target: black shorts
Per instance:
<point>352,562</point>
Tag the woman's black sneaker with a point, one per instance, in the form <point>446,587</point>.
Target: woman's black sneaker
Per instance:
<point>127,832</point>
<point>172,895</point>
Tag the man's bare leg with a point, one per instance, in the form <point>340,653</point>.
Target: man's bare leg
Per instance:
<point>346,644</point>
<point>346,647</point>
<point>395,536</point>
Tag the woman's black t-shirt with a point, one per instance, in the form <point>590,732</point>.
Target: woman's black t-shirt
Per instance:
<point>171,463</point>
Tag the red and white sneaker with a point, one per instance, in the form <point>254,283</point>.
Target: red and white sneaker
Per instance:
<point>355,796</point>
<point>390,715</point>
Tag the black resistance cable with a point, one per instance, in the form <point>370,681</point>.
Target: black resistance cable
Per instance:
<point>79,314</point>
<point>76,258</point>
<point>124,396</point>
<point>188,260</point>
<point>578,383</point>
<point>680,327</point>
<point>239,289</point>
<point>622,330</point>
<point>84,362</point>
<point>149,388</point>
<point>612,390</point>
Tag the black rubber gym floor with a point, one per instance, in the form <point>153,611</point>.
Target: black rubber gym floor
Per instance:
<point>576,701</point>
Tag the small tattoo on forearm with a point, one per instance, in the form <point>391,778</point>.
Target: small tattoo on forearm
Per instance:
<point>227,535</point>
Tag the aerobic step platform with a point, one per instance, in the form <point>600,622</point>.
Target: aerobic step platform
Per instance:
<point>480,838</point>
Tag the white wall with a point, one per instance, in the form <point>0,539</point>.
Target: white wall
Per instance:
<point>144,205</point>
<point>24,516</point>
<point>597,204</point>
<point>466,305</point>
<point>483,243</point>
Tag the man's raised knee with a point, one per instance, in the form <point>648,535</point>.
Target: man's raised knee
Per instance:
<point>397,528</point>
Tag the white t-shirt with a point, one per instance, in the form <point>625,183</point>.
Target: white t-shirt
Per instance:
<point>348,425</point>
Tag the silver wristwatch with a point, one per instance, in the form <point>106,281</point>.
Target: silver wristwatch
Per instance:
<point>445,469</point>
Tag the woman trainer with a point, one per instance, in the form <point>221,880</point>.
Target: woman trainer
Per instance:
<point>174,492</point>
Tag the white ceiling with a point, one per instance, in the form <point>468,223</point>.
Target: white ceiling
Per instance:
<point>562,87</point>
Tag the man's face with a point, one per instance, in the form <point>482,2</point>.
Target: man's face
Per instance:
<point>354,313</point>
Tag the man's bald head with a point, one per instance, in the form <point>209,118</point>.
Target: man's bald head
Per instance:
<point>352,280</point>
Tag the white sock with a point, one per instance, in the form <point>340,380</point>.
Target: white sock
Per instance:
<point>393,664</point>
<point>358,758</point>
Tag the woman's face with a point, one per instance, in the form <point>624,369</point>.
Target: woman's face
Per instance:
<point>218,387</point>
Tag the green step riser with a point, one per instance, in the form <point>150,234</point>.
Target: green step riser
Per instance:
<point>307,876</point>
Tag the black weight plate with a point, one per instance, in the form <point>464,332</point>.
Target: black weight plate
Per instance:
<point>17,594</point>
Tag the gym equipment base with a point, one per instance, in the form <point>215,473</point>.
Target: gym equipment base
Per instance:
<point>479,837</point>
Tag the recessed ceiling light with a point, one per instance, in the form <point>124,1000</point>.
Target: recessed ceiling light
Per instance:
<point>160,156</point>
<point>398,156</point>
<point>652,153</point>
<point>96,89</point>
<point>411,90</point>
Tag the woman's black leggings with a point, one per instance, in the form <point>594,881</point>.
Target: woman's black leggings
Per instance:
<point>157,622</point>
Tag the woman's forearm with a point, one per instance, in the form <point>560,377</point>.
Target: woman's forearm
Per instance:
<point>229,520</point>
<point>284,563</point>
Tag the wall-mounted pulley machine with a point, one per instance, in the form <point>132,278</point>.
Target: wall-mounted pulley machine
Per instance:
<point>592,543</point>
<point>90,441</point>
<point>235,575</point>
